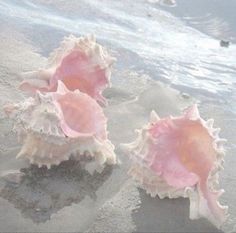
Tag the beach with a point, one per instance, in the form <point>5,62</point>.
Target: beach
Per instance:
<point>162,65</point>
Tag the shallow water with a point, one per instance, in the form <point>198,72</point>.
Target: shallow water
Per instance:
<point>177,46</point>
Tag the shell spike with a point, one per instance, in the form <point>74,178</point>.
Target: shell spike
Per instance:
<point>210,123</point>
<point>192,112</point>
<point>154,117</point>
<point>20,154</point>
<point>220,192</point>
<point>215,132</point>
<point>61,88</point>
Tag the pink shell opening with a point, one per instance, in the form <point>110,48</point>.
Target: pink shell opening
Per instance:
<point>80,115</point>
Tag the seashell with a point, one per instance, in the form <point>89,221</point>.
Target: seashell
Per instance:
<point>181,157</point>
<point>55,125</point>
<point>80,63</point>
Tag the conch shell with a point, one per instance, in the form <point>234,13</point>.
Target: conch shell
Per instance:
<point>181,156</point>
<point>80,63</point>
<point>55,125</point>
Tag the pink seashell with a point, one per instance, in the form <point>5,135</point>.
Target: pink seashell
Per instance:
<point>55,125</point>
<point>181,156</point>
<point>80,63</point>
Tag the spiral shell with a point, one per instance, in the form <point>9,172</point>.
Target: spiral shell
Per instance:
<point>181,156</point>
<point>55,125</point>
<point>80,63</point>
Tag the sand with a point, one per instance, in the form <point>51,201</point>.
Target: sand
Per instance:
<point>68,198</point>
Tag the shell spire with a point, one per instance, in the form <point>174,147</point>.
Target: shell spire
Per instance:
<point>181,156</point>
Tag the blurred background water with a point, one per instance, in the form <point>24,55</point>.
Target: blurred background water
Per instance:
<point>178,45</point>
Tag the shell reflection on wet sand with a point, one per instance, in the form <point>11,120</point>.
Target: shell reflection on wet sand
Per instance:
<point>80,63</point>
<point>55,125</point>
<point>43,192</point>
<point>181,156</point>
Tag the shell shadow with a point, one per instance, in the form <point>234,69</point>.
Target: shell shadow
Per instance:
<point>167,215</point>
<point>42,192</point>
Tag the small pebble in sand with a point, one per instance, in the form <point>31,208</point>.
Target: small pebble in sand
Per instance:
<point>224,43</point>
<point>185,95</point>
